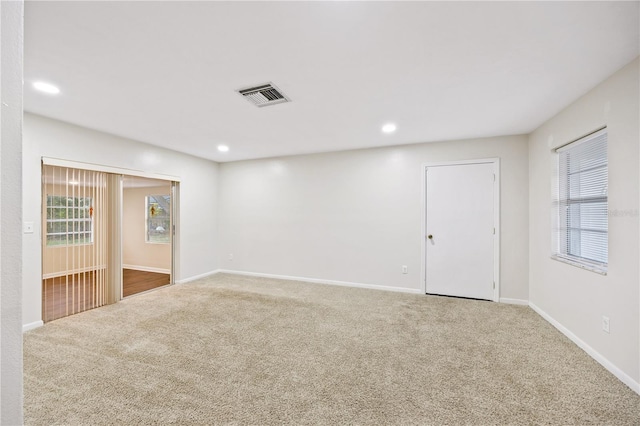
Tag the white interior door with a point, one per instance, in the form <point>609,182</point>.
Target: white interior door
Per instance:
<point>460,228</point>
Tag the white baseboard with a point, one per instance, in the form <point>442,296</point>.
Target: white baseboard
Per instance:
<point>32,325</point>
<point>321,281</point>
<point>621,375</point>
<point>514,301</point>
<point>147,269</point>
<point>197,277</point>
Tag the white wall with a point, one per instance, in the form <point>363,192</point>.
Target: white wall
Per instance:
<point>356,216</point>
<point>137,253</point>
<point>575,298</point>
<point>198,200</point>
<point>11,36</point>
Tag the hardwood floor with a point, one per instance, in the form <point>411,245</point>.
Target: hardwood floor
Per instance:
<point>67,295</point>
<point>70,294</point>
<point>134,282</point>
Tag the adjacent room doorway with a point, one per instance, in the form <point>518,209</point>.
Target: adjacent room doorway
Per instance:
<point>105,235</point>
<point>146,234</point>
<point>461,229</point>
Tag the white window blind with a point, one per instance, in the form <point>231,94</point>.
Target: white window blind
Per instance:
<point>582,205</point>
<point>77,243</point>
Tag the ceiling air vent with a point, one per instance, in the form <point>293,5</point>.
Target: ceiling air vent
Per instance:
<point>264,95</point>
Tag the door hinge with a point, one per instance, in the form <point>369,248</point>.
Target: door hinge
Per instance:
<point>494,177</point>
<point>494,285</point>
<point>494,231</point>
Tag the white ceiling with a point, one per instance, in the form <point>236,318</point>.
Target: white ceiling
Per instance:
<point>166,73</point>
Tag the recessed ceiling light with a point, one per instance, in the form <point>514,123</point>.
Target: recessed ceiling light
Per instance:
<point>46,87</point>
<point>223,148</point>
<point>389,128</point>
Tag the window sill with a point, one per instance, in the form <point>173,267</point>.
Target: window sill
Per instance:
<point>67,245</point>
<point>602,270</point>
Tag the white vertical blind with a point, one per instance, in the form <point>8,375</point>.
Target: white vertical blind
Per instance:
<point>582,201</point>
<point>74,241</point>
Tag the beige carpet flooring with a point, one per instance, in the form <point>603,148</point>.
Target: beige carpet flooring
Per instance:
<point>238,350</point>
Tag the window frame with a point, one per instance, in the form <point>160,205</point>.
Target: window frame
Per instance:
<point>75,218</point>
<point>561,231</point>
<point>147,217</point>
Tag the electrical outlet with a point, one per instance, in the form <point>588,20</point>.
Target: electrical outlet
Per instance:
<point>605,324</point>
<point>405,270</point>
<point>230,256</point>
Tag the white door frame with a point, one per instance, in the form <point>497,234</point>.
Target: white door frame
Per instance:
<point>496,220</point>
<point>175,230</point>
<point>108,169</point>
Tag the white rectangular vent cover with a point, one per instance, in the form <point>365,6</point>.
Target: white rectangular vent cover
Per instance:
<point>264,95</point>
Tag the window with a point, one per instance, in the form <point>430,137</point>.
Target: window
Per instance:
<point>69,220</point>
<point>158,219</point>
<point>582,207</point>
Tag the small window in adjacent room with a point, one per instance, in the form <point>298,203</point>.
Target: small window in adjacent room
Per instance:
<point>581,203</point>
<point>69,220</point>
<point>158,219</point>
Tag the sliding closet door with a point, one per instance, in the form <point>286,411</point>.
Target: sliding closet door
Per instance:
<point>77,241</point>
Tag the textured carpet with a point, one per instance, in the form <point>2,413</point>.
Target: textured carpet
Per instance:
<point>238,350</point>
